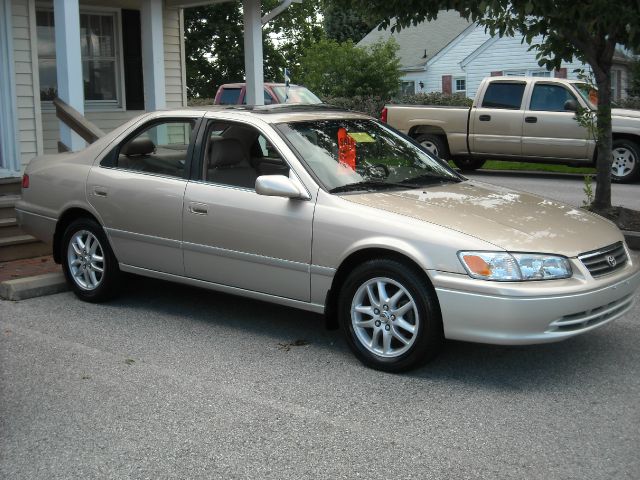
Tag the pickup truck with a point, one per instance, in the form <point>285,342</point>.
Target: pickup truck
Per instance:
<point>530,119</point>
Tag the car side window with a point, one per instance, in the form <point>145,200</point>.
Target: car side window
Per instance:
<point>550,98</point>
<point>230,96</point>
<point>236,155</point>
<point>160,149</point>
<point>504,95</point>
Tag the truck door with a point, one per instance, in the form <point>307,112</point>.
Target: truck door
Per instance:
<point>495,125</point>
<point>550,129</point>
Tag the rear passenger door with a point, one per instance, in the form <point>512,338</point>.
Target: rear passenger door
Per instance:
<point>232,235</point>
<point>138,189</point>
<point>495,126</point>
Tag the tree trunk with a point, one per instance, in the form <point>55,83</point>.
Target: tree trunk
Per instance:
<point>602,200</point>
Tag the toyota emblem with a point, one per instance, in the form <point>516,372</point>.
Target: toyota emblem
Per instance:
<point>611,260</point>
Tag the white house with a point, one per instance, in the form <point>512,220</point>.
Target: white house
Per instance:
<point>453,55</point>
<point>108,59</point>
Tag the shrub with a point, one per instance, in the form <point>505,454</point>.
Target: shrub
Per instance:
<point>630,102</point>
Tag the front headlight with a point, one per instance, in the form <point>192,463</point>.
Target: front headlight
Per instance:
<point>513,267</point>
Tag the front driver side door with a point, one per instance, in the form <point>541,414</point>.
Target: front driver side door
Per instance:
<point>236,237</point>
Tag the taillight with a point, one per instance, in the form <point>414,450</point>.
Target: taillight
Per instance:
<point>383,115</point>
<point>25,181</point>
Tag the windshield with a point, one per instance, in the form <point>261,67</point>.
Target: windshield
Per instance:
<point>295,94</point>
<point>359,154</point>
<point>588,93</point>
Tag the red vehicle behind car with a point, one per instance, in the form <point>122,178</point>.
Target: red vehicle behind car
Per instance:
<point>234,94</point>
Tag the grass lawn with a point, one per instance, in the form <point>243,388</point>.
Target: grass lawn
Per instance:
<point>535,167</point>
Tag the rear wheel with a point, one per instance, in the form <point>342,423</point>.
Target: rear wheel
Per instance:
<point>625,166</point>
<point>468,164</point>
<point>434,144</point>
<point>88,262</point>
<point>389,316</point>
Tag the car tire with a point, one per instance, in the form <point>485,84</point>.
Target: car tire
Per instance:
<point>434,144</point>
<point>625,166</point>
<point>468,164</point>
<point>399,333</point>
<point>89,265</point>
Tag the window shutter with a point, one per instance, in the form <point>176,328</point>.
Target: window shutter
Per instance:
<point>497,73</point>
<point>132,56</point>
<point>560,73</point>
<point>446,84</point>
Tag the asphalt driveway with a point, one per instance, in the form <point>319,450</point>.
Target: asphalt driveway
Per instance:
<point>173,382</point>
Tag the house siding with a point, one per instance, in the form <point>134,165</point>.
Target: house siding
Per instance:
<point>26,85</point>
<point>39,128</point>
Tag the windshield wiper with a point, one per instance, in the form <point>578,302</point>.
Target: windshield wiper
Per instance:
<point>429,179</point>
<point>368,185</point>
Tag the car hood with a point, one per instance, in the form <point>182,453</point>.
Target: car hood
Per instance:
<point>509,219</point>
<point>622,112</point>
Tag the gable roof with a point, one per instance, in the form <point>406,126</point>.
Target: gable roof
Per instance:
<point>420,43</point>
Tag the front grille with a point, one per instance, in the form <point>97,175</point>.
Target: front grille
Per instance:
<point>605,260</point>
<point>588,318</point>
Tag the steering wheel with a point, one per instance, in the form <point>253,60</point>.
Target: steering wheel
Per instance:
<point>379,170</point>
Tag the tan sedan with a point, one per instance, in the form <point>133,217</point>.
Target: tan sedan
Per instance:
<point>327,211</point>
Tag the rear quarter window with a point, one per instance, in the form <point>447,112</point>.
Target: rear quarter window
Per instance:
<point>504,95</point>
<point>230,96</point>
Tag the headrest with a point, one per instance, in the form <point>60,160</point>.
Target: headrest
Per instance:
<point>226,152</point>
<point>138,146</point>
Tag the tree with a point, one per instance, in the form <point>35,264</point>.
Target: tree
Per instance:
<point>214,44</point>
<point>587,30</point>
<point>330,68</point>
<point>342,21</point>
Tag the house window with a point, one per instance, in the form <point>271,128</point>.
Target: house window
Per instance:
<point>99,53</point>
<point>540,73</point>
<point>527,73</point>
<point>408,88</point>
<point>460,85</point>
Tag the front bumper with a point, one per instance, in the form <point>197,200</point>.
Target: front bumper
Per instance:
<point>522,313</point>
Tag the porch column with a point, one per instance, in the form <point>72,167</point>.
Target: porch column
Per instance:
<point>69,65</point>
<point>151,17</point>
<point>253,67</point>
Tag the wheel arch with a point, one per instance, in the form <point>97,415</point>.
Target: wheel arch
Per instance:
<point>68,216</point>
<point>356,258</point>
<point>428,129</point>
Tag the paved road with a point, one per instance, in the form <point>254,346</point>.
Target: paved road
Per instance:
<point>173,382</point>
<point>565,188</point>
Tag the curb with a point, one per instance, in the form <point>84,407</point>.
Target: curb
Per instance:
<point>31,287</point>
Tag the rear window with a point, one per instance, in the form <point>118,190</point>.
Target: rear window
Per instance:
<point>230,96</point>
<point>504,95</point>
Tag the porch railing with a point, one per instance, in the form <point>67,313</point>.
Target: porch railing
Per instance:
<point>77,122</point>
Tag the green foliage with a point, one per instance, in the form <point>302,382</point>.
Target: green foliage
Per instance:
<point>435,98</point>
<point>634,82</point>
<point>343,21</point>
<point>214,43</point>
<point>588,191</point>
<point>370,104</point>
<point>632,103</point>
<point>332,69</point>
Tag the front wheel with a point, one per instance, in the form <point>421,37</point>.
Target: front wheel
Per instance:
<point>390,318</point>
<point>89,264</point>
<point>468,164</point>
<point>434,144</point>
<point>625,166</point>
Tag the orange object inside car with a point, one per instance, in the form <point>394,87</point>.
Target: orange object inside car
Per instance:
<point>346,149</point>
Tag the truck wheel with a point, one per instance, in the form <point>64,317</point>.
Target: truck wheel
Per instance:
<point>625,166</point>
<point>468,164</point>
<point>434,144</point>
<point>390,317</point>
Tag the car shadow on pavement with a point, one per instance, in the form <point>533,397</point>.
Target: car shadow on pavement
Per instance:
<point>510,368</point>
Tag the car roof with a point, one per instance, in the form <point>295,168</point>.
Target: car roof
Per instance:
<point>280,113</point>
<point>266,84</point>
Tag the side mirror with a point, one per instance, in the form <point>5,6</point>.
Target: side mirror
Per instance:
<point>277,186</point>
<point>571,106</point>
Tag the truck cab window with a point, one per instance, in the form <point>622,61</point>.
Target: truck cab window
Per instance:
<point>550,98</point>
<point>503,95</point>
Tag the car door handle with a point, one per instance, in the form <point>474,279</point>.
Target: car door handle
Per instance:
<point>485,118</point>
<point>198,209</point>
<point>100,191</point>
<point>531,119</point>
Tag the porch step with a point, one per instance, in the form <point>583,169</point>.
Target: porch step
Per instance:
<point>22,246</point>
<point>10,186</point>
<point>9,227</point>
<point>7,205</point>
